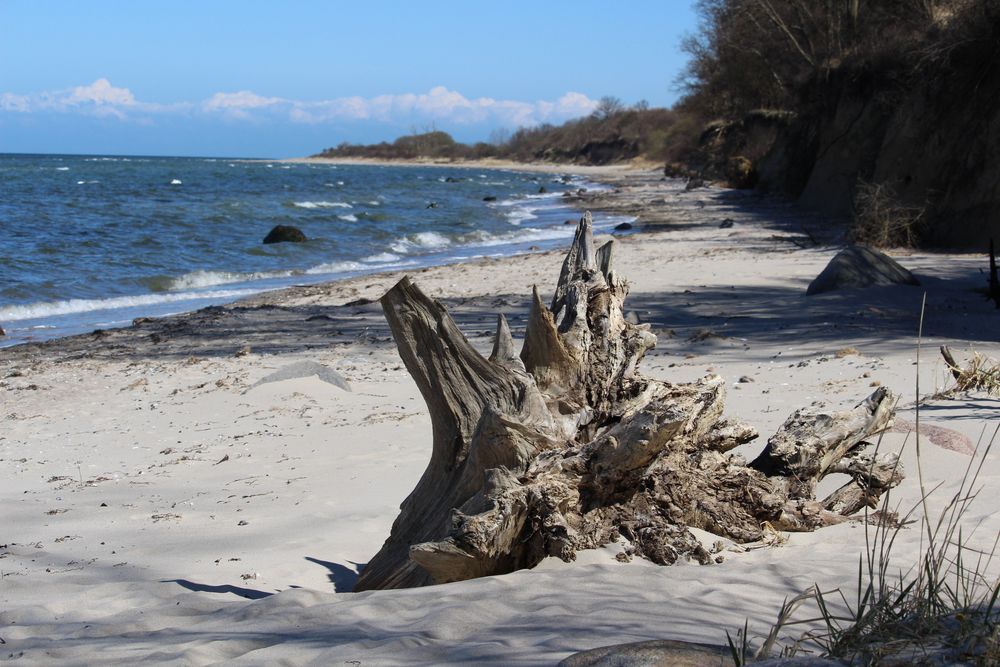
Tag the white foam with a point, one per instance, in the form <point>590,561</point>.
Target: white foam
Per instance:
<point>176,181</point>
<point>426,240</point>
<point>381,258</point>
<point>71,306</point>
<point>62,168</point>
<point>200,278</point>
<point>350,217</point>
<point>519,214</point>
<point>335,267</point>
<point>477,239</point>
<point>321,204</point>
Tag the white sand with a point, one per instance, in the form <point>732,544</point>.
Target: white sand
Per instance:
<point>158,507</point>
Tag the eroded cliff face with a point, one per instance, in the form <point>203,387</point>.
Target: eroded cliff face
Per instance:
<point>932,138</point>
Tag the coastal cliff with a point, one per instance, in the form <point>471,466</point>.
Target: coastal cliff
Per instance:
<point>897,110</point>
<point>933,145</point>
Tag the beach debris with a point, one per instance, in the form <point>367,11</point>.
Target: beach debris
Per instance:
<point>981,374</point>
<point>284,234</point>
<point>303,369</point>
<point>565,446</point>
<point>860,266</point>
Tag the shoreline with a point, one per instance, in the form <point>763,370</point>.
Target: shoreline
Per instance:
<point>486,163</point>
<point>117,311</point>
<point>193,469</point>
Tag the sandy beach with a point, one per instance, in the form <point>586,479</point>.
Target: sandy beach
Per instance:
<point>205,488</point>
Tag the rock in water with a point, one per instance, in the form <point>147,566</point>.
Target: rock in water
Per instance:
<point>623,227</point>
<point>285,233</point>
<point>860,266</point>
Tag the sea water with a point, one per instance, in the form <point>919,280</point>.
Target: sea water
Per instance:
<point>91,242</point>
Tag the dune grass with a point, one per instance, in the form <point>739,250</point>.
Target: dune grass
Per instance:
<point>944,609</point>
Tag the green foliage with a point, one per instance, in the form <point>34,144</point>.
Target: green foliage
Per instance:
<point>613,133</point>
<point>434,145</point>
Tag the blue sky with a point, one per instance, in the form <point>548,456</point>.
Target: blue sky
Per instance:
<point>253,78</point>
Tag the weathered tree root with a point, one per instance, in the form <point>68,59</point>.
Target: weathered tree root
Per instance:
<point>567,447</point>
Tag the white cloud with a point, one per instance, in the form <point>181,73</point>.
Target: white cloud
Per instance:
<point>15,103</point>
<point>101,92</point>
<point>99,98</point>
<point>439,105</point>
<point>241,100</point>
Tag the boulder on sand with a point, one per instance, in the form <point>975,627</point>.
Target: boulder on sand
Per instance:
<point>860,266</point>
<point>285,233</point>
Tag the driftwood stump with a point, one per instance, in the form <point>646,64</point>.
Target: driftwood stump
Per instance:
<point>565,446</point>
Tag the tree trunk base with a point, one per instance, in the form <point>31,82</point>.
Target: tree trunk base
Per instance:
<point>565,446</point>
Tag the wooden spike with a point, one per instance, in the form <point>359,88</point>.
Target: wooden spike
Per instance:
<point>543,352</point>
<point>579,257</point>
<point>503,347</point>
<point>605,259</point>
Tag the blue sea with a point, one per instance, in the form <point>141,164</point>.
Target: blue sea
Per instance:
<point>90,242</point>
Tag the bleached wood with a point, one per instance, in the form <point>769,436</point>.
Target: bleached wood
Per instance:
<point>566,446</point>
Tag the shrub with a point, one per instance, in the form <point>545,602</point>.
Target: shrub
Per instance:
<point>881,220</point>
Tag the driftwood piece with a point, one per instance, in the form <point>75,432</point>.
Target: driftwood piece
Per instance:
<point>565,446</point>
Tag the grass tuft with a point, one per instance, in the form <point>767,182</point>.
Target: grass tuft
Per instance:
<point>942,610</point>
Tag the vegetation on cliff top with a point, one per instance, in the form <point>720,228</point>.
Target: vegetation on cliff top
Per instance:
<point>847,104</point>
<point>854,106</point>
<point>612,133</point>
